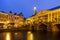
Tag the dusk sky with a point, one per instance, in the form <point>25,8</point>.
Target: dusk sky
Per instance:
<point>27,6</point>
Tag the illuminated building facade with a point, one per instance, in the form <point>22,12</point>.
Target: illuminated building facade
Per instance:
<point>10,18</point>
<point>46,16</point>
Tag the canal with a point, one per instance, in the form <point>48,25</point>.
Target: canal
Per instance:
<point>28,35</point>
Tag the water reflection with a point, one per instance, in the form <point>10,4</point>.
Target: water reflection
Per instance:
<point>30,36</point>
<point>8,36</point>
<point>16,33</point>
<point>24,35</point>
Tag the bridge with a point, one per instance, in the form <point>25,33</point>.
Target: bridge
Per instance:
<point>52,17</point>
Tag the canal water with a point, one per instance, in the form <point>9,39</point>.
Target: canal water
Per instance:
<point>29,35</point>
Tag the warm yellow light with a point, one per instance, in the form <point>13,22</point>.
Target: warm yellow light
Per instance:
<point>34,8</point>
<point>16,25</point>
<point>30,36</point>
<point>7,21</point>
<point>29,32</point>
<point>16,33</point>
<point>8,36</point>
<point>21,22</point>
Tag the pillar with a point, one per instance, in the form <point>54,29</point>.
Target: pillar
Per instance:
<point>48,17</point>
<point>54,28</point>
<point>57,17</point>
<point>51,17</point>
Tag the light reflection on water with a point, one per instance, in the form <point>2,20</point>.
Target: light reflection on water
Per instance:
<point>29,35</point>
<point>8,36</point>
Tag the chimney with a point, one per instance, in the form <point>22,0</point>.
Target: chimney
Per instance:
<point>35,12</point>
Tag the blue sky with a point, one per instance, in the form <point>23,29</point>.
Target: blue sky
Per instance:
<point>27,6</point>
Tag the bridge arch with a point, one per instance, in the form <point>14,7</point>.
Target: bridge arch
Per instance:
<point>43,27</point>
<point>58,26</point>
<point>55,27</point>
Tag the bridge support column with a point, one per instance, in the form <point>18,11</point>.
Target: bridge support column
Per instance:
<point>57,17</point>
<point>54,28</point>
<point>48,17</point>
<point>38,27</point>
<point>51,17</point>
<point>49,28</point>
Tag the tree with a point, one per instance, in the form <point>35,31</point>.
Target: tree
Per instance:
<point>10,11</point>
<point>15,13</point>
<point>20,13</point>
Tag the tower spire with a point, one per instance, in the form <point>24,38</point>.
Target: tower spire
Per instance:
<point>35,12</point>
